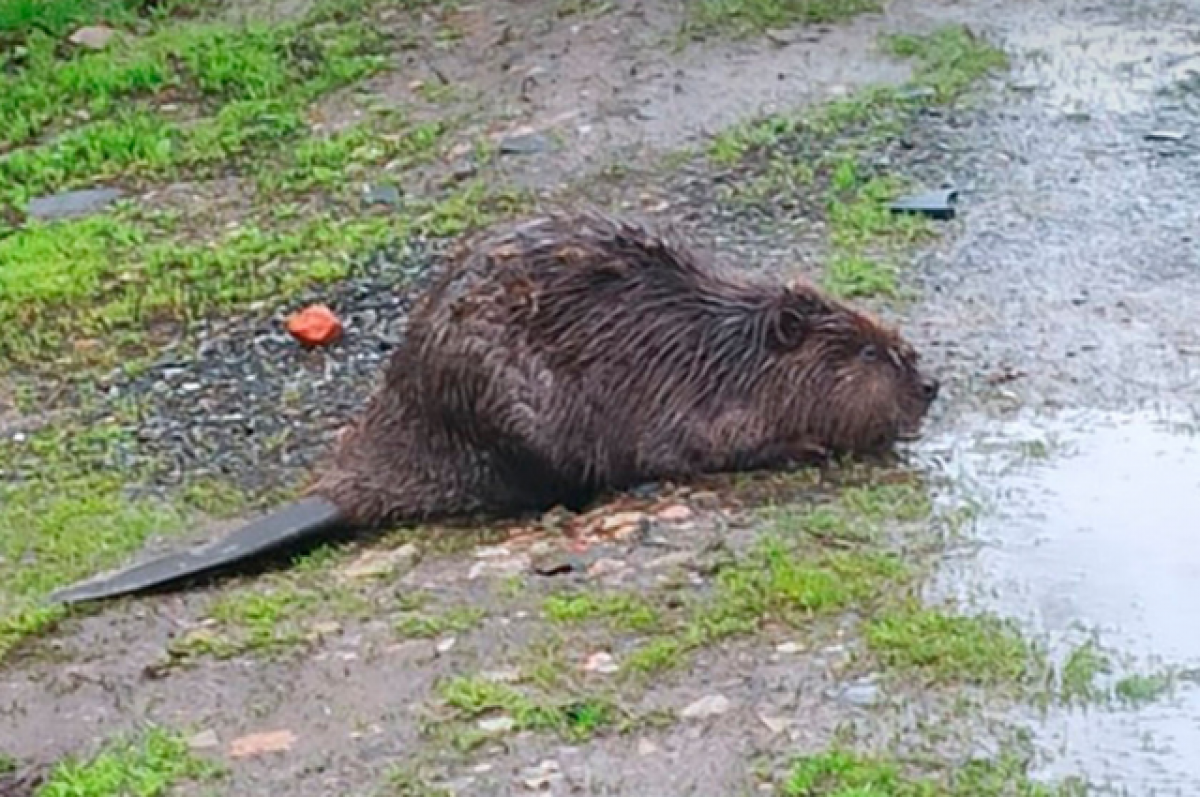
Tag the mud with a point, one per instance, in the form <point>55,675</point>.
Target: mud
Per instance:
<point>1061,308</point>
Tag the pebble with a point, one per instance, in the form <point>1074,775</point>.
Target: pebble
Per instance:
<point>776,725</point>
<point>374,564</point>
<point>542,776</point>
<point>789,648</point>
<point>647,747</point>
<point>382,194</point>
<point>675,513</point>
<point>529,144</point>
<point>862,693</point>
<point>92,37</point>
<point>446,644</point>
<point>710,706</point>
<point>501,724</point>
<point>205,740</point>
<point>602,663</point>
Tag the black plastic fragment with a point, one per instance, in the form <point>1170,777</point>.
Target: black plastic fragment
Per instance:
<point>934,204</point>
<point>287,526</point>
<point>1166,135</point>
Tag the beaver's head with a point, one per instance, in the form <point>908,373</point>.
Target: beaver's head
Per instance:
<point>845,381</point>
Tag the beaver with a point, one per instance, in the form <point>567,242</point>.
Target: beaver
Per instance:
<point>567,354</point>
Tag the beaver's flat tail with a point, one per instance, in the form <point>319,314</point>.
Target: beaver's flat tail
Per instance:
<point>287,526</point>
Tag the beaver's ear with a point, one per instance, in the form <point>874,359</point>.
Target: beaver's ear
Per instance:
<point>791,318</point>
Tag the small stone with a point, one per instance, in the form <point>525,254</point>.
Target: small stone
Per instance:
<point>375,564</point>
<point>789,648</point>
<point>446,644</point>
<point>529,144</point>
<point>602,663</point>
<point>261,743</point>
<point>711,706</point>
<point>647,747</point>
<point>326,629</point>
<point>675,513</point>
<point>70,204</point>
<point>382,194</point>
<point>776,725</point>
<point>502,724</point>
<point>315,325</point>
<point>622,525</point>
<point>1166,135</point>
<point>93,37</point>
<point>862,693</point>
<point>556,563</point>
<point>205,740</point>
<point>542,776</point>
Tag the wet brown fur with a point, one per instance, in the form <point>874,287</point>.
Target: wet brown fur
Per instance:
<point>569,354</point>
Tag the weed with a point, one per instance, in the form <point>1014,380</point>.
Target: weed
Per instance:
<point>148,766</point>
<point>279,613</point>
<point>407,782</point>
<point>63,516</point>
<point>982,650</point>
<point>1139,689</point>
<point>744,17</point>
<point>424,626</point>
<point>1077,682</point>
<point>657,655</point>
<point>949,60</point>
<point>622,611</point>
<point>843,773</point>
<point>572,719</point>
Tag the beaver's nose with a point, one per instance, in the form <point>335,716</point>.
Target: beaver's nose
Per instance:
<point>930,388</point>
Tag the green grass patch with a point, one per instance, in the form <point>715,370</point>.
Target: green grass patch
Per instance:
<point>57,18</point>
<point>209,65</point>
<point>981,650</point>
<point>1079,674</point>
<point>573,719</point>
<point>746,17</point>
<point>844,773</point>
<point>425,625</point>
<point>279,612</point>
<point>148,765</point>
<point>949,60</point>
<point>1139,689</point>
<point>64,515</point>
<point>405,781</point>
<point>622,611</point>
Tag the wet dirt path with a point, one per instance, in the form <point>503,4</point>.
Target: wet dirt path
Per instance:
<point>1067,307</point>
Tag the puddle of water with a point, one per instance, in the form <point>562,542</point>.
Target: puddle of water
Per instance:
<point>1091,522</point>
<point>1109,68</point>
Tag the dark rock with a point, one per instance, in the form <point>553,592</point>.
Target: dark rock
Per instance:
<point>934,204</point>
<point>558,564</point>
<point>1166,135</point>
<point>530,144</point>
<point>73,203</point>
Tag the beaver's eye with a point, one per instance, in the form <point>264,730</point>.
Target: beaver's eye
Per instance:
<point>869,353</point>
